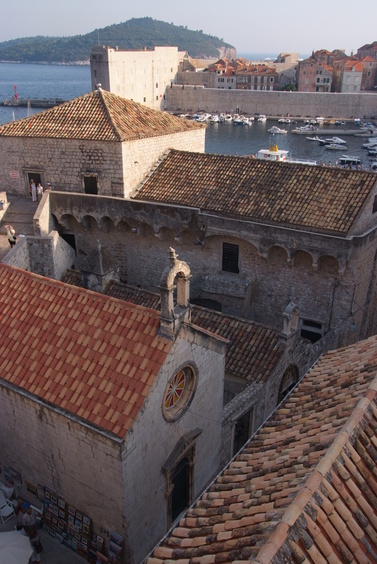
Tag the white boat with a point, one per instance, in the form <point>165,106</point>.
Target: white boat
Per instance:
<point>304,128</point>
<point>262,118</point>
<point>333,140</point>
<point>280,155</point>
<point>348,160</point>
<point>238,120</point>
<point>275,129</point>
<point>284,120</point>
<point>315,138</point>
<point>214,118</point>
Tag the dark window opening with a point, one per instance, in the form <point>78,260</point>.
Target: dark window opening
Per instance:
<point>180,496</point>
<point>69,238</point>
<point>90,185</point>
<point>311,330</point>
<point>230,258</point>
<point>242,431</point>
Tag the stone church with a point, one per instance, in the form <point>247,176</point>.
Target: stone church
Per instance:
<point>110,401</point>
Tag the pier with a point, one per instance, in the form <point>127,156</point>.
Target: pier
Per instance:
<point>32,102</point>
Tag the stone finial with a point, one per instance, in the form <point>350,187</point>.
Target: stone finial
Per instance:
<point>173,315</point>
<point>290,320</point>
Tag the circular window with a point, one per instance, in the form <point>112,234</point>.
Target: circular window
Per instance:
<point>179,393</point>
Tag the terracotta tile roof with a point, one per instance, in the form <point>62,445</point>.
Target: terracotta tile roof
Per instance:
<point>91,355</point>
<point>320,198</point>
<point>253,350</point>
<point>99,116</point>
<point>304,489</point>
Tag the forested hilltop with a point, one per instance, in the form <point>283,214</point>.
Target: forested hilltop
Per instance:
<point>136,33</point>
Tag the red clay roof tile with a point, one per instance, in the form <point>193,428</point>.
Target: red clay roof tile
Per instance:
<point>101,116</point>
<point>271,192</point>
<point>303,489</point>
<point>65,367</point>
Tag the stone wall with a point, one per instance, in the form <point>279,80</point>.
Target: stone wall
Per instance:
<point>153,440</point>
<point>305,104</point>
<point>324,276</point>
<point>118,167</point>
<point>48,448</point>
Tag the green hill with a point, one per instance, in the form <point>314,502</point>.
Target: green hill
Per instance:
<point>136,33</point>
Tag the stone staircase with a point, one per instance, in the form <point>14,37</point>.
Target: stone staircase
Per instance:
<point>19,213</point>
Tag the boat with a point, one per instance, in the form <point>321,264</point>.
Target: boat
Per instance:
<point>262,118</point>
<point>305,128</point>
<point>239,120</point>
<point>332,140</point>
<point>315,138</point>
<point>280,155</point>
<point>334,146</point>
<point>348,160</point>
<point>275,129</point>
<point>284,120</point>
<point>214,118</point>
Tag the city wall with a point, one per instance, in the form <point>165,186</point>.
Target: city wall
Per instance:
<point>298,104</point>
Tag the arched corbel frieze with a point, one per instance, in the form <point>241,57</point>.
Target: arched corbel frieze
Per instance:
<point>88,222</point>
<point>106,224</point>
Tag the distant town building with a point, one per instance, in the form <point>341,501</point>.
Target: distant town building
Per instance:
<point>313,76</point>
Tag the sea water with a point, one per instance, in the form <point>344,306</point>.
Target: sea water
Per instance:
<point>70,81</point>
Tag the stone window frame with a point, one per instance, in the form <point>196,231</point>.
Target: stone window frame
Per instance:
<point>185,448</point>
<point>230,255</point>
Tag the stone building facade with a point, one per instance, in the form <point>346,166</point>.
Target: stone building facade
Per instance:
<point>141,76</point>
<point>109,404</point>
<point>98,143</point>
<point>323,247</point>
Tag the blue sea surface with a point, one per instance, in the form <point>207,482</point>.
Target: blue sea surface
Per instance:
<point>40,81</point>
<point>68,82</point>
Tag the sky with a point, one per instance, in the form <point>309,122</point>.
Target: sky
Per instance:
<point>250,26</point>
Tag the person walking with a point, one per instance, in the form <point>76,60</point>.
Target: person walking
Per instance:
<point>33,191</point>
<point>11,234</point>
<point>39,191</point>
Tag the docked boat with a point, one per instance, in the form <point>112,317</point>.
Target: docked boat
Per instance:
<point>348,160</point>
<point>274,129</point>
<point>284,120</point>
<point>305,128</point>
<point>332,140</point>
<point>315,138</point>
<point>262,118</point>
<point>280,155</point>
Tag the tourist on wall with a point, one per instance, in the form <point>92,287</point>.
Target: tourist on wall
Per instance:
<point>39,191</point>
<point>11,234</point>
<point>33,190</point>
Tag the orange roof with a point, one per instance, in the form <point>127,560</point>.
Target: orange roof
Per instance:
<point>253,350</point>
<point>268,191</point>
<point>304,488</point>
<point>94,356</point>
<point>100,116</point>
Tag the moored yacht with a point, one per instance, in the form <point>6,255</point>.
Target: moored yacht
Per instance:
<point>281,155</point>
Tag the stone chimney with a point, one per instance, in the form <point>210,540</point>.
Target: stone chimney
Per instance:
<point>173,315</point>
